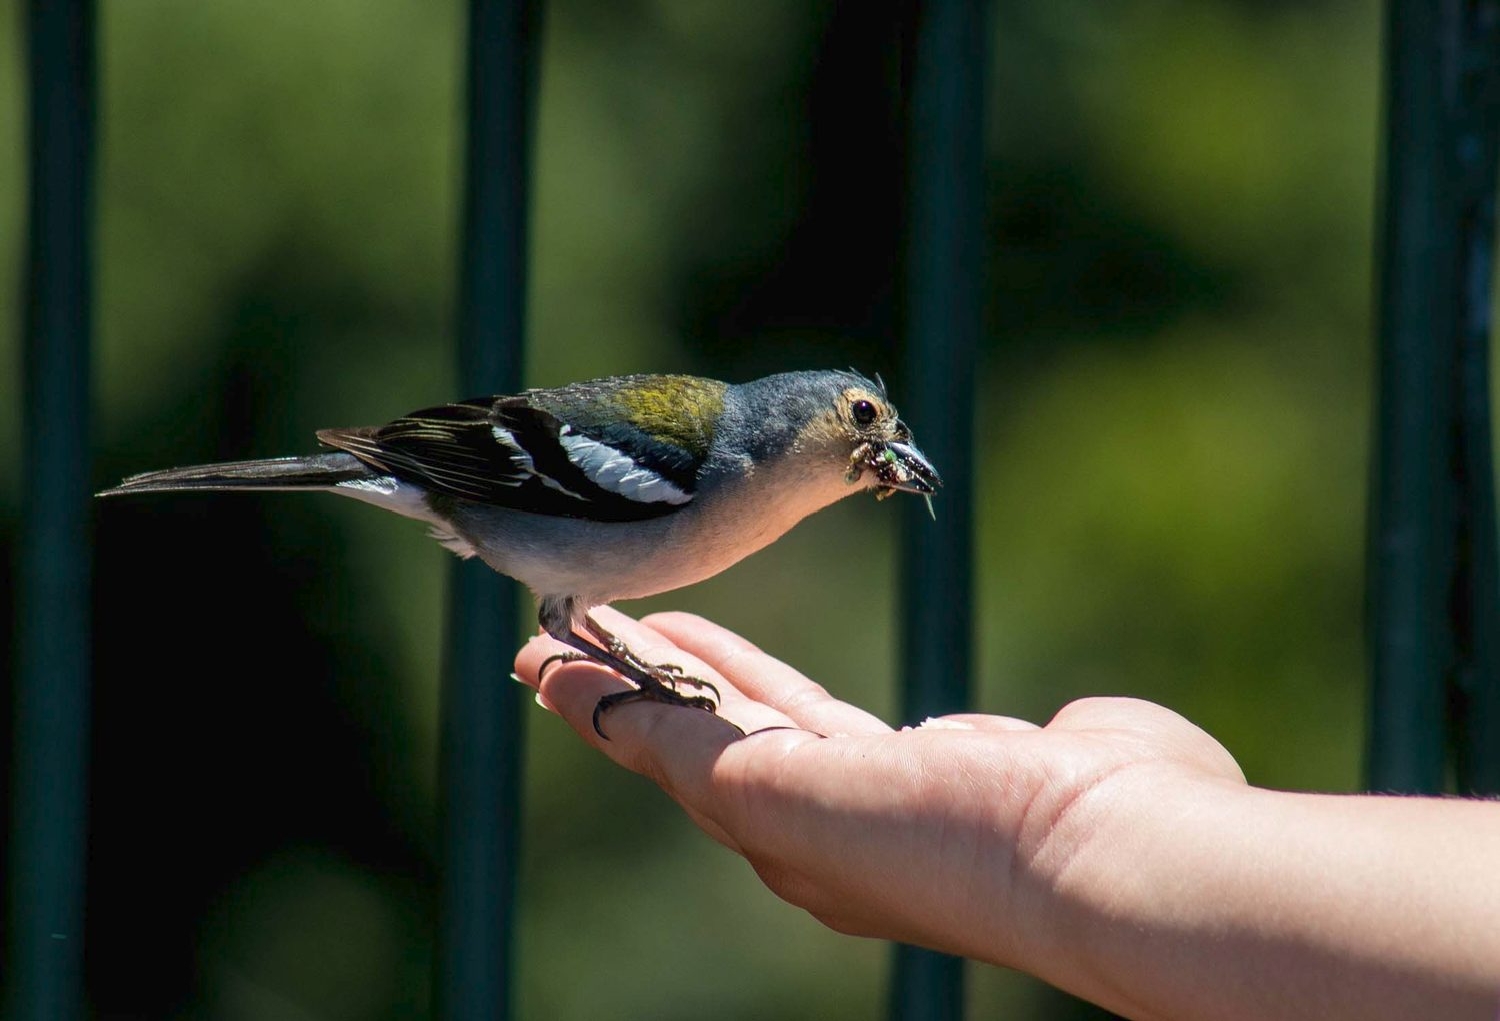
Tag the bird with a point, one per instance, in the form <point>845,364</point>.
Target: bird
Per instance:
<point>608,489</point>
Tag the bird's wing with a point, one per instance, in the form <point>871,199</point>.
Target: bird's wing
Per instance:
<point>513,452</point>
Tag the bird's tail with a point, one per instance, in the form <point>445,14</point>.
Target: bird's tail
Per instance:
<point>315,471</point>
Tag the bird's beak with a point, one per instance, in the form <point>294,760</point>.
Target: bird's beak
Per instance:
<point>897,467</point>
<point>906,469</point>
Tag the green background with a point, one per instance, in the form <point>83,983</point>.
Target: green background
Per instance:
<point>1172,425</point>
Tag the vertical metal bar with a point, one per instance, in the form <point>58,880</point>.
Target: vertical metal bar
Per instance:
<point>1433,573</point>
<point>44,971</point>
<point>944,305</point>
<point>1410,535</point>
<point>481,715</point>
<point>1476,595</point>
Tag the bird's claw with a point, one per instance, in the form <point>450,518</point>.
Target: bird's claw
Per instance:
<point>675,679</point>
<point>654,682</point>
<point>654,693</point>
<point>669,674</point>
<point>557,657</point>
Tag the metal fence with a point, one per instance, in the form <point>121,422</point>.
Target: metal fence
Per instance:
<point>1435,680</point>
<point>1433,604</point>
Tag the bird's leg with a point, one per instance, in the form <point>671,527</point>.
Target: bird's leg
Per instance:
<point>652,683</point>
<point>665,673</point>
<point>655,682</point>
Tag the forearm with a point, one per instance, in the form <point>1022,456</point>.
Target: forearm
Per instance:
<point>1213,900</point>
<point>1116,852</point>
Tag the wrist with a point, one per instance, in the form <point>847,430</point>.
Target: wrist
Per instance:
<point>1179,894</point>
<point>1105,878</point>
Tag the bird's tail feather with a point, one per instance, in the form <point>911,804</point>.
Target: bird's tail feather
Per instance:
<point>315,471</point>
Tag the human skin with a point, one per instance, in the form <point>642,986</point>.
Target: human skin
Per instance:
<point>1116,852</point>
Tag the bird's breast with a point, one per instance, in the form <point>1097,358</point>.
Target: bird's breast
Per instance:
<point>603,561</point>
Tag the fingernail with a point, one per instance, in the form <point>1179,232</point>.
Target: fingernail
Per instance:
<point>544,703</point>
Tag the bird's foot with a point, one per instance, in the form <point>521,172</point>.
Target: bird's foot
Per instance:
<point>668,674</point>
<point>654,692</point>
<point>653,682</point>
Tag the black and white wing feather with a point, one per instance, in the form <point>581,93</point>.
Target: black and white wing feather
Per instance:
<point>512,452</point>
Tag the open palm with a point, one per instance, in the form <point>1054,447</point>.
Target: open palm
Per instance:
<point>949,835</point>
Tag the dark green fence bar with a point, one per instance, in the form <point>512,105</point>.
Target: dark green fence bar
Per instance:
<point>1432,572</point>
<point>944,304</point>
<point>49,780</point>
<point>481,715</point>
<point>1477,588</point>
<point>1410,534</point>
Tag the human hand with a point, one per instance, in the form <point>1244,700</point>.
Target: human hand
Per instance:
<point>956,835</point>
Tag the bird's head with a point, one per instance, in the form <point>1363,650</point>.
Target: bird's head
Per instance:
<point>882,445</point>
<point>847,421</point>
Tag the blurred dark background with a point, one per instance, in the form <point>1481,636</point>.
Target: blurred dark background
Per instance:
<point>1172,421</point>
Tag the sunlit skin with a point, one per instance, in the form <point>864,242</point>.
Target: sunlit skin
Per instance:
<point>1116,852</point>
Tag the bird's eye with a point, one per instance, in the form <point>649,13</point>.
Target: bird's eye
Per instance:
<point>863,412</point>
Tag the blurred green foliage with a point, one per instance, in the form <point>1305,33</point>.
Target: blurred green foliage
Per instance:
<point>1172,421</point>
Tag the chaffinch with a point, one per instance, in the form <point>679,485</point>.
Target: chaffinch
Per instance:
<point>610,489</point>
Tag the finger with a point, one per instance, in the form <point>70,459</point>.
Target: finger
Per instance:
<point>764,677</point>
<point>566,684</point>
<point>1128,715</point>
<point>578,689</point>
<point>1156,727</point>
<point>680,749</point>
<point>564,681</point>
<point>638,739</point>
<point>651,646</point>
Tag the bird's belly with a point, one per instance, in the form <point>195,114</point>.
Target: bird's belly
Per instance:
<point>602,562</point>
